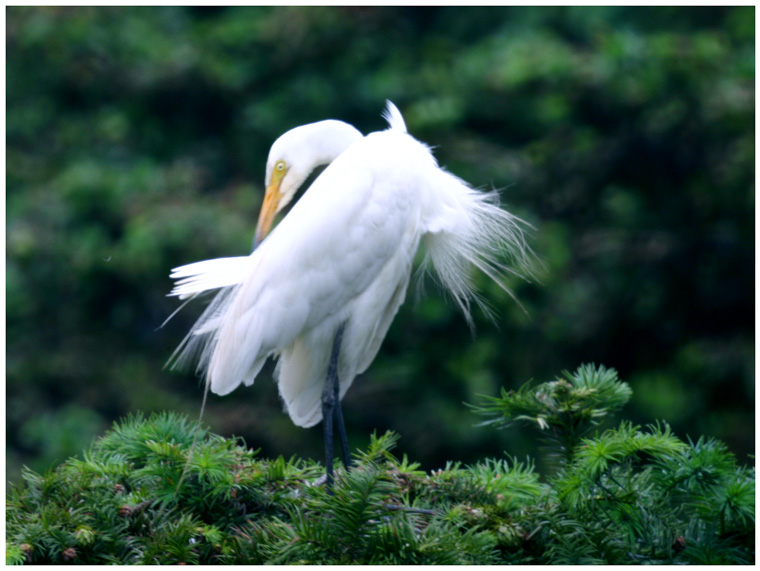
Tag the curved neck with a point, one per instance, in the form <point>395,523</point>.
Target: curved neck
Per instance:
<point>307,147</point>
<point>328,139</point>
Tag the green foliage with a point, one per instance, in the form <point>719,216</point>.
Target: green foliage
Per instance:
<point>564,410</point>
<point>159,490</point>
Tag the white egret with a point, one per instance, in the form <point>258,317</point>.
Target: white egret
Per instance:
<point>321,290</point>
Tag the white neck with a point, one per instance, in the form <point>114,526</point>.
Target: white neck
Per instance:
<point>307,147</point>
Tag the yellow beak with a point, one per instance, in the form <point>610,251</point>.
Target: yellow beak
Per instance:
<point>268,210</point>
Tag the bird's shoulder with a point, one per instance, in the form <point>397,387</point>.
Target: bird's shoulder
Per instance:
<point>394,148</point>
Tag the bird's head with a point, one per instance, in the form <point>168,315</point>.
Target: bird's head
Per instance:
<point>291,160</point>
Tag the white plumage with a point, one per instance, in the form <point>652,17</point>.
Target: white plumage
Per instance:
<point>342,255</point>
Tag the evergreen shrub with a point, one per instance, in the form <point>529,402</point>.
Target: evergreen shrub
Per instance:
<point>161,490</point>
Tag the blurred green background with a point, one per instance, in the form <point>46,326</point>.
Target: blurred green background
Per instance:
<point>137,139</point>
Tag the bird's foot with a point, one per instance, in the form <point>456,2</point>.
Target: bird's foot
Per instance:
<point>321,481</point>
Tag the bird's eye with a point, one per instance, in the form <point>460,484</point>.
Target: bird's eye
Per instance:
<point>280,166</point>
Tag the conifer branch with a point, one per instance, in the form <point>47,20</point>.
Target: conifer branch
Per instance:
<point>161,490</point>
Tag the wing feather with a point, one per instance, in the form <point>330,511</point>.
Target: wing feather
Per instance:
<point>344,255</point>
<point>324,253</point>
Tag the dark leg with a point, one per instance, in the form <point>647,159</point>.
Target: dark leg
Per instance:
<point>342,430</point>
<point>328,406</point>
<point>331,411</point>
